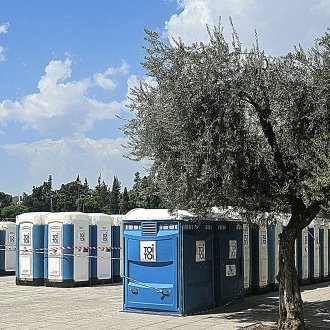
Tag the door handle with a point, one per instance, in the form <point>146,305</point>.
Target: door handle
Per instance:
<point>166,292</point>
<point>135,290</point>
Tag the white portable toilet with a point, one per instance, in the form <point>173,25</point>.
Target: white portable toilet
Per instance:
<point>7,247</point>
<point>67,242</point>
<point>326,249</point>
<point>303,256</point>
<point>246,258</point>
<point>100,243</point>
<point>259,258</point>
<point>314,251</point>
<point>30,248</point>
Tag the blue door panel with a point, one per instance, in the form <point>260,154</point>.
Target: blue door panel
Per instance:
<point>152,284</point>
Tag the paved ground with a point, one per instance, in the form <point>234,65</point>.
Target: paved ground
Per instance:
<point>99,307</point>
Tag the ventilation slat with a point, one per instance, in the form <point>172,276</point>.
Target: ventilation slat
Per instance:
<point>149,229</point>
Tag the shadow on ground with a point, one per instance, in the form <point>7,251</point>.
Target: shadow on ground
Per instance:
<point>262,309</point>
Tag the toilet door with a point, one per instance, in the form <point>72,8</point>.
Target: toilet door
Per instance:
<point>55,251</point>
<point>81,254</point>
<point>103,251</point>
<point>263,257</point>
<point>25,251</point>
<point>10,250</point>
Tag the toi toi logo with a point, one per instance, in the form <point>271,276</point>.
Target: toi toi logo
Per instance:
<point>149,252</point>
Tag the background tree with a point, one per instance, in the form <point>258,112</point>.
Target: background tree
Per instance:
<point>5,200</point>
<point>12,211</point>
<point>102,195</point>
<point>125,204</point>
<point>40,199</point>
<point>115,196</point>
<point>71,196</point>
<point>134,192</point>
<point>232,126</point>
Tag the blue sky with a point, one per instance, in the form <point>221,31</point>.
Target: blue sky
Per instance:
<point>66,68</point>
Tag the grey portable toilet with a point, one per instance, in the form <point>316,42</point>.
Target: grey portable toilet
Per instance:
<point>259,258</point>
<point>7,247</point>
<point>30,248</point>
<point>273,232</point>
<point>101,244</point>
<point>169,262</point>
<point>303,256</point>
<point>314,251</point>
<point>67,244</point>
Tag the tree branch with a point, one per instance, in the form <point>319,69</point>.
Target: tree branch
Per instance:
<point>263,113</point>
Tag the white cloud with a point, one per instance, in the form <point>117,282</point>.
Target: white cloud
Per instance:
<point>134,81</point>
<point>190,24</point>
<point>104,81</point>
<point>61,107</point>
<point>280,24</point>
<point>321,5</point>
<point>2,53</point>
<point>66,158</point>
<point>4,27</point>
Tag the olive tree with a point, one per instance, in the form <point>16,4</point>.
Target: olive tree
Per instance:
<point>231,126</point>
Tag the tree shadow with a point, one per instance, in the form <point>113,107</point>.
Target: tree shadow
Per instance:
<point>264,309</point>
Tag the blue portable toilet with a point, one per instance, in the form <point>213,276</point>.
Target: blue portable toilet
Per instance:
<point>273,232</point>
<point>314,252</point>
<point>67,244</point>
<point>303,257</point>
<point>229,261</point>
<point>117,248</point>
<point>30,248</point>
<point>259,258</point>
<point>7,247</point>
<point>169,262</point>
<point>101,252</point>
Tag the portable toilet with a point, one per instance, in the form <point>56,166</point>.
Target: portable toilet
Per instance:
<point>100,242</point>
<point>67,243</point>
<point>246,259</point>
<point>7,247</point>
<point>117,248</point>
<point>169,262</point>
<point>326,239</point>
<point>30,248</point>
<point>303,256</point>
<point>259,258</point>
<point>314,252</point>
<point>273,239</point>
<point>229,261</point>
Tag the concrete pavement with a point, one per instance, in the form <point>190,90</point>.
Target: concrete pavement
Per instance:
<point>100,307</point>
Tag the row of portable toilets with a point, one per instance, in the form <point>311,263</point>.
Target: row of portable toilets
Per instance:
<point>169,263</point>
<point>63,249</point>
<point>175,264</point>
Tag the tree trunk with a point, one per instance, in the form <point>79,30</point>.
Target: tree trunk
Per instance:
<point>291,305</point>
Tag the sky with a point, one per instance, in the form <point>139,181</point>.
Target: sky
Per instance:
<point>67,67</point>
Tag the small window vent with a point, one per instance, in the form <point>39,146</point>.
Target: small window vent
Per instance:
<point>149,229</point>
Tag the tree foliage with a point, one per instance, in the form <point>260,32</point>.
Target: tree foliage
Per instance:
<point>12,211</point>
<point>41,198</point>
<point>5,200</point>
<point>231,126</point>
